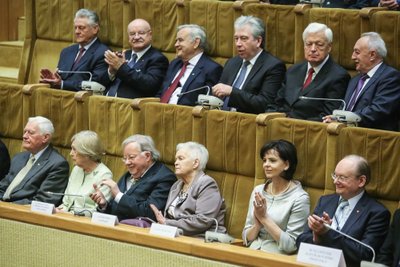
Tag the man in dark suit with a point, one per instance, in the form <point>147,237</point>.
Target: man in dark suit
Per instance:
<point>250,81</point>
<point>373,94</point>
<point>147,182</point>
<point>319,76</point>
<point>389,253</point>
<point>351,4</point>
<point>37,171</point>
<point>191,69</point>
<point>4,160</point>
<point>85,56</point>
<point>352,211</point>
<point>140,71</point>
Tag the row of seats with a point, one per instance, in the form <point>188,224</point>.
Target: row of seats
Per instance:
<point>233,140</point>
<point>49,28</point>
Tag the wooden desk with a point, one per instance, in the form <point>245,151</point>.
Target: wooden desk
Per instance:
<point>58,239</point>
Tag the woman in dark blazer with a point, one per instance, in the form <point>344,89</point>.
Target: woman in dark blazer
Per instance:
<point>194,202</point>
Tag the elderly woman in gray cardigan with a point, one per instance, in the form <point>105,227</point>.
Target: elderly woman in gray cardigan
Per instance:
<point>194,201</point>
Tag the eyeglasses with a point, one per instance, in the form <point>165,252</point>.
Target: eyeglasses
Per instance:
<point>130,158</point>
<point>139,33</point>
<point>340,178</point>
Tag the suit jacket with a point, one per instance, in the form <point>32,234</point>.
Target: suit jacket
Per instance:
<point>152,188</point>
<point>261,85</point>
<point>351,4</point>
<point>4,160</point>
<point>206,72</point>
<point>92,61</point>
<point>204,202</point>
<point>368,222</point>
<point>48,173</point>
<point>144,80</point>
<point>379,102</point>
<point>389,253</point>
<point>330,82</point>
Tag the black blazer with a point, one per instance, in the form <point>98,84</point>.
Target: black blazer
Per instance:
<point>389,253</point>
<point>261,85</point>
<point>351,4</point>
<point>48,173</point>
<point>4,160</point>
<point>206,72</point>
<point>379,102</point>
<point>145,78</point>
<point>330,82</point>
<point>152,188</point>
<point>368,222</point>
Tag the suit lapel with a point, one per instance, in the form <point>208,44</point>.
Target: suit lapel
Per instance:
<point>358,210</point>
<point>147,175</point>
<point>195,72</point>
<point>173,194</point>
<point>371,81</point>
<point>257,66</point>
<point>88,54</point>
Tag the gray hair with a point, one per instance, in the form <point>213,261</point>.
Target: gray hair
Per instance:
<point>318,27</point>
<point>362,166</point>
<point>87,143</point>
<point>44,124</point>
<point>376,42</point>
<point>257,26</point>
<point>195,31</point>
<point>195,151</point>
<point>90,15</point>
<point>145,143</point>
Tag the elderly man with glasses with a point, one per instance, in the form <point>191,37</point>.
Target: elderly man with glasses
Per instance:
<point>147,182</point>
<point>350,210</point>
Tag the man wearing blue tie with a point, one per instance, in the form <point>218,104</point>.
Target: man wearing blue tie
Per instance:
<point>350,210</point>
<point>81,61</point>
<point>140,71</point>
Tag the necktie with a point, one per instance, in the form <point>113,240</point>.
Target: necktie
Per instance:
<point>167,95</point>
<point>359,87</point>
<point>238,83</point>
<point>19,177</point>
<point>115,85</point>
<point>309,78</point>
<point>340,214</point>
<point>78,58</point>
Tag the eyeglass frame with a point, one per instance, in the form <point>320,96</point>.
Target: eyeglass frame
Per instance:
<point>131,157</point>
<point>342,178</point>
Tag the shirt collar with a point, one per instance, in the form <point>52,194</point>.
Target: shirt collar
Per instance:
<point>354,200</point>
<point>37,155</point>
<point>319,67</point>
<point>372,71</point>
<point>140,53</point>
<point>89,44</point>
<point>193,61</point>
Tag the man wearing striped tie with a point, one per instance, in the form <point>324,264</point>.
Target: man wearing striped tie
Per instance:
<point>350,210</point>
<point>38,170</point>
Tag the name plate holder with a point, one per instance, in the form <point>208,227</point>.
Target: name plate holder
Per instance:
<point>104,219</point>
<point>42,207</point>
<point>164,230</point>
<point>320,256</point>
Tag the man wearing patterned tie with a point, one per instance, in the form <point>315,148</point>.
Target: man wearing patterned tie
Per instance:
<point>140,71</point>
<point>191,69</point>
<point>318,76</point>
<point>373,94</point>
<point>38,170</point>
<point>350,210</point>
<point>87,55</point>
<point>250,81</point>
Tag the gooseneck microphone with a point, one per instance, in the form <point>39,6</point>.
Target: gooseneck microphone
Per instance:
<point>194,90</point>
<point>68,195</point>
<point>324,99</point>
<point>355,240</point>
<point>90,85</point>
<point>77,71</point>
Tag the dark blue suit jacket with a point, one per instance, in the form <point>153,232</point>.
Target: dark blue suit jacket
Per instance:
<point>48,173</point>
<point>354,4</point>
<point>261,85</point>
<point>206,72</point>
<point>368,222</point>
<point>92,61</point>
<point>390,250</point>
<point>4,160</point>
<point>379,103</point>
<point>330,82</point>
<point>152,188</point>
<point>144,80</point>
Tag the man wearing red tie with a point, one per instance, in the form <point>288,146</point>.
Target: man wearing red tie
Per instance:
<point>191,69</point>
<point>80,59</point>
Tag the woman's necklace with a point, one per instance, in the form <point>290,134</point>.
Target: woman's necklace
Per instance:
<point>287,188</point>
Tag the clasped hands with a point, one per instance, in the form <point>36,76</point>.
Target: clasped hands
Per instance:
<point>317,224</point>
<point>114,60</point>
<point>98,196</point>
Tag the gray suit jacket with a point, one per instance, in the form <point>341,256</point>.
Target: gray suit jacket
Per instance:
<point>48,173</point>
<point>203,203</point>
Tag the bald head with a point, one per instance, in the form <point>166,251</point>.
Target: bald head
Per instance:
<point>139,34</point>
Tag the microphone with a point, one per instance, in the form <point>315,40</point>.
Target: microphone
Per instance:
<point>206,100</point>
<point>95,87</point>
<point>213,236</point>
<point>68,195</point>
<point>363,263</point>
<point>340,115</point>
